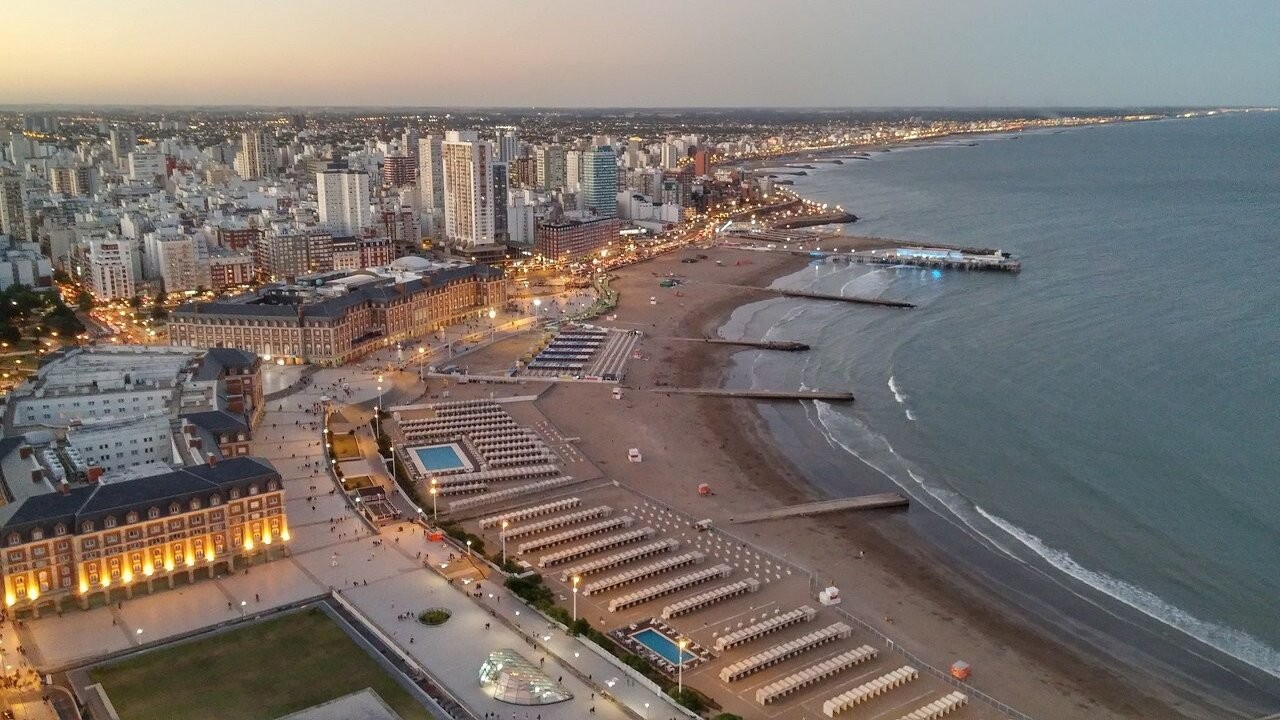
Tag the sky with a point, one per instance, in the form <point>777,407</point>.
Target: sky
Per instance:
<point>646,53</point>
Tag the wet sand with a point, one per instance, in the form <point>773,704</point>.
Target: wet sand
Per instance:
<point>902,585</point>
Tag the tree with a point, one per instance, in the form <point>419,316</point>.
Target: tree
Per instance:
<point>135,302</point>
<point>84,301</point>
<point>63,320</point>
<point>10,333</point>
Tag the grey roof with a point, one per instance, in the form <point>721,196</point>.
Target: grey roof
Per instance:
<point>93,502</point>
<point>218,359</point>
<point>377,292</point>
<point>218,421</point>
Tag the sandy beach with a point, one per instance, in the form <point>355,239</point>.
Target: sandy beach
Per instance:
<point>902,586</point>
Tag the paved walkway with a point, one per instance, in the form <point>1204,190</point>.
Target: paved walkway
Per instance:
<point>381,576</point>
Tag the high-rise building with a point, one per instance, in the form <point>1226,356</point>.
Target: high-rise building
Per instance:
<point>600,181</point>
<point>409,143</point>
<point>287,251</point>
<point>573,160</point>
<point>702,162</point>
<point>508,145</point>
<point>500,186</point>
<point>524,172</point>
<point>123,141</point>
<point>343,199</point>
<point>430,173</point>
<point>146,165</point>
<point>671,154</point>
<point>183,263</point>
<point>257,156</point>
<point>113,268</point>
<point>550,159</point>
<point>71,180</point>
<point>399,170</point>
<point>13,214</point>
<point>468,189</point>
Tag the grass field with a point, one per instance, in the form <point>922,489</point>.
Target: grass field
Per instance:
<point>261,671</point>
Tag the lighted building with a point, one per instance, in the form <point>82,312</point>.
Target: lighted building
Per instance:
<point>13,215</point>
<point>550,161</point>
<point>113,268</point>
<point>468,189</point>
<point>345,317</point>
<point>398,170</point>
<point>567,239</point>
<point>600,181</point>
<point>118,538</point>
<point>229,268</point>
<point>71,180</point>
<point>286,251</point>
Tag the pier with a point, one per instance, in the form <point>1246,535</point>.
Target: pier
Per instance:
<point>880,501</point>
<point>783,345</point>
<point>943,258</point>
<point>840,298</point>
<point>760,394</point>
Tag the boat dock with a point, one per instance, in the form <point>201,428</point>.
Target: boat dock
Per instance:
<point>760,394</point>
<point>862,502</point>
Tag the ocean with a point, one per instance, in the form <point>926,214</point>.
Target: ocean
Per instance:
<point>1104,425</point>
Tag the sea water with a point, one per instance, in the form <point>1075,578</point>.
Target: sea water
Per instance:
<point>1108,419</point>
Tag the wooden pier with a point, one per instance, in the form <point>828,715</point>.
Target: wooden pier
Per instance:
<point>958,260</point>
<point>863,502</point>
<point>760,394</point>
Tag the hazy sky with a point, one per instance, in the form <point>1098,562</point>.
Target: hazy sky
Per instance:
<point>642,52</point>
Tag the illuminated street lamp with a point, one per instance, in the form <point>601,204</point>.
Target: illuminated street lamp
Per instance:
<point>468,548</point>
<point>576,579</point>
<point>434,493</point>
<point>503,536</point>
<point>680,665</point>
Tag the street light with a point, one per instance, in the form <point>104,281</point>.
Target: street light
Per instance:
<point>377,416</point>
<point>680,665</point>
<point>576,579</point>
<point>468,548</point>
<point>503,536</point>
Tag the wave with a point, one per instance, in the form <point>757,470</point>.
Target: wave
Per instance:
<point>840,431</point>
<point>897,394</point>
<point>1236,643</point>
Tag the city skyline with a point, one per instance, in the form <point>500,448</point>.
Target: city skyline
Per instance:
<point>491,54</point>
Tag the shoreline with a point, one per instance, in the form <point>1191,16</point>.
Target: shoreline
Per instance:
<point>903,586</point>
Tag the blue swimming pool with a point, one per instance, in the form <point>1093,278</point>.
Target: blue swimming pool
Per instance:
<point>440,457</point>
<point>664,646</point>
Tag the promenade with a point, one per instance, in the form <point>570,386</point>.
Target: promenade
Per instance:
<point>382,577</point>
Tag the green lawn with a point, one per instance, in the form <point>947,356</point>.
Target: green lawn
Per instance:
<point>264,670</point>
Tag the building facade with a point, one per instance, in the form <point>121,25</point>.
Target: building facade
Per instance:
<point>569,239</point>
<point>334,329</point>
<point>112,270</point>
<point>600,181</point>
<point>468,189</point>
<point>115,539</point>
<point>343,200</point>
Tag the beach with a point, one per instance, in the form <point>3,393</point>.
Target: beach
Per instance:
<point>888,577</point>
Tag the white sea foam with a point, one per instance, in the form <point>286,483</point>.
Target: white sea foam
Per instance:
<point>1235,643</point>
<point>897,394</point>
<point>841,431</point>
<point>910,415</point>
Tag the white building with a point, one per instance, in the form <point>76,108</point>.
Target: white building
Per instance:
<point>573,165</point>
<point>183,262</point>
<point>257,155</point>
<point>521,223</point>
<point>550,160</point>
<point>23,264</point>
<point>133,445</point>
<point>113,267</point>
<point>468,189</point>
<point>146,165</point>
<point>343,199</point>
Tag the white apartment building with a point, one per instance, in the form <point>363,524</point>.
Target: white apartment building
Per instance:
<point>573,166</point>
<point>468,189</point>
<point>113,268</point>
<point>550,160</point>
<point>183,262</point>
<point>257,155</point>
<point>146,165</point>
<point>343,199</point>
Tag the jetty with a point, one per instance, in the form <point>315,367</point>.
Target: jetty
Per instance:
<point>840,298</point>
<point>826,395</point>
<point>945,258</point>
<point>879,501</point>
<point>783,345</point>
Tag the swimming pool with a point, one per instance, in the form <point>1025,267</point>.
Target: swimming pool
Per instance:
<point>665,647</point>
<point>439,458</point>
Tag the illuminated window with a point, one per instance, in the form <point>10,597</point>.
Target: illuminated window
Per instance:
<point>157,557</point>
<point>177,552</point>
<point>20,586</point>
<point>113,564</point>
<point>219,544</point>
<point>93,574</point>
